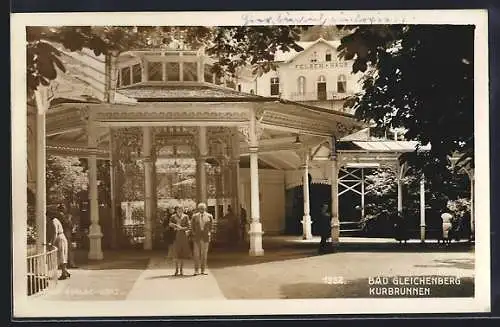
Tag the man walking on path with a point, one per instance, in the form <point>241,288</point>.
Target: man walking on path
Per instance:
<point>324,228</point>
<point>201,228</point>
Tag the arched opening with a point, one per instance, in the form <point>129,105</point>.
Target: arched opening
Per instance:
<point>319,194</point>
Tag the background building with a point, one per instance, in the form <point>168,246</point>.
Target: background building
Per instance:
<point>314,75</point>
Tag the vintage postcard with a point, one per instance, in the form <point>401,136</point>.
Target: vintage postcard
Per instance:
<point>250,163</point>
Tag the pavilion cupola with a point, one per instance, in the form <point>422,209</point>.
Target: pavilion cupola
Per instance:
<point>167,64</point>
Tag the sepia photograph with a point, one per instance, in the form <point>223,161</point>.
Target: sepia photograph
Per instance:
<point>250,163</point>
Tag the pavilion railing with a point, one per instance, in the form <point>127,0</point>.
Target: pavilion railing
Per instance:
<point>42,269</point>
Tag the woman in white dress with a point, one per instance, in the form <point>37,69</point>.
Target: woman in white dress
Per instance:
<point>61,243</point>
<point>446,217</point>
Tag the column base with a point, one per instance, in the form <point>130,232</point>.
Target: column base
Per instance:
<point>95,248</point>
<point>255,235</point>
<point>422,234</point>
<point>335,231</point>
<point>306,227</point>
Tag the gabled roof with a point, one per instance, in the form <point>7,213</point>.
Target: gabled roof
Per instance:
<point>288,56</point>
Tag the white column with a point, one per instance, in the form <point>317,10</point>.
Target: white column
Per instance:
<point>219,189</point>
<point>399,180</point>
<point>200,164</point>
<point>306,219</point>
<point>362,193</point>
<point>335,222</point>
<point>255,232</point>
<point>235,180</point>
<point>148,183</point>
<point>154,195</point>
<point>41,192</point>
<point>422,209</point>
<point>95,234</point>
<point>400,197</point>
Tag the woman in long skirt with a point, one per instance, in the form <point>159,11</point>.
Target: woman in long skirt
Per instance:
<point>59,240</point>
<point>180,249</point>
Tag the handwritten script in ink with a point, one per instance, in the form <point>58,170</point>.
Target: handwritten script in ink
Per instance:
<point>287,18</point>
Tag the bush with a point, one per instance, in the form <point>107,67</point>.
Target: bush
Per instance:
<point>138,215</point>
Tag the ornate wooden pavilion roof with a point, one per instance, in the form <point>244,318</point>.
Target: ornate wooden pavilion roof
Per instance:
<point>78,96</point>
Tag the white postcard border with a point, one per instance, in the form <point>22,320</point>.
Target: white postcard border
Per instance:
<point>27,308</point>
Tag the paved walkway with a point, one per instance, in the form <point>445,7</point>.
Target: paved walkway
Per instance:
<point>290,268</point>
<point>158,283</point>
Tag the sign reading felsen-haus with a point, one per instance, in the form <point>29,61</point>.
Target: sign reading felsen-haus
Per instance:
<point>336,64</point>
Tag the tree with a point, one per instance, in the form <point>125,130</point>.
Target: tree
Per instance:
<point>420,78</point>
<point>65,179</point>
<point>234,46</point>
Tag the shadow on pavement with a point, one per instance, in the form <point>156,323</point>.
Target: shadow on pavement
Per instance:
<point>124,259</point>
<point>453,263</point>
<point>170,277</point>
<point>275,249</point>
<point>359,288</point>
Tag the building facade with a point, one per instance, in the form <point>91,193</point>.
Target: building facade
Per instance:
<point>314,75</point>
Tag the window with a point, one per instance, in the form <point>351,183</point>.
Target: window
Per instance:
<point>239,87</point>
<point>155,71</point>
<point>173,71</point>
<point>314,57</point>
<point>252,91</point>
<point>302,85</point>
<point>125,76</point>
<point>209,76</point>
<point>328,56</point>
<point>136,73</point>
<point>190,71</point>
<point>275,86</point>
<point>341,84</point>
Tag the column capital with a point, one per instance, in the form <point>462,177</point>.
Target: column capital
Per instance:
<point>253,149</point>
<point>246,131</point>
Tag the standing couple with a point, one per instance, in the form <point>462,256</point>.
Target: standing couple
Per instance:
<point>197,230</point>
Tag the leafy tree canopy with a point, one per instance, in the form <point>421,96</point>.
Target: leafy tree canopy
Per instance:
<point>65,179</point>
<point>420,78</point>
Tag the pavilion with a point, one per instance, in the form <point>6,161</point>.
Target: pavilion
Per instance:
<point>163,103</point>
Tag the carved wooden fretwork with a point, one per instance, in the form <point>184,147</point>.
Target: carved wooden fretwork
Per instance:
<point>322,127</point>
<point>128,142</point>
<point>343,129</point>
<point>385,160</point>
<point>170,115</point>
<point>73,150</point>
<point>245,131</point>
<point>84,113</point>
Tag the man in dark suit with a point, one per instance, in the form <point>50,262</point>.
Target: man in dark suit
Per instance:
<point>201,229</point>
<point>324,229</point>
